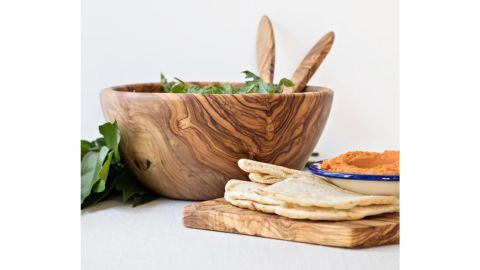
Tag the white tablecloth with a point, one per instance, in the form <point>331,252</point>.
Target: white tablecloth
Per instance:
<point>151,236</point>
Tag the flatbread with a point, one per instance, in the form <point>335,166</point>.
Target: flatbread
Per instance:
<point>240,185</point>
<point>252,166</point>
<point>242,194</point>
<point>241,203</point>
<point>264,178</point>
<point>301,195</point>
<point>266,173</point>
<point>246,190</point>
<point>266,208</point>
<point>310,191</point>
<point>317,213</point>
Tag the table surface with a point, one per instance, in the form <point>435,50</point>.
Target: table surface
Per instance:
<point>151,236</point>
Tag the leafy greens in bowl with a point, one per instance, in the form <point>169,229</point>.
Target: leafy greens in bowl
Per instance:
<point>254,84</point>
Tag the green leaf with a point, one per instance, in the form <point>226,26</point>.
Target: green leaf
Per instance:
<point>85,147</point>
<point>249,74</point>
<point>163,80</point>
<point>213,89</point>
<point>132,190</point>
<point>228,89</point>
<point>263,87</point>
<point>99,143</point>
<point>253,88</point>
<point>274,90</point>
<point>249,88</point>
<point>206,90</point>
<point>194,89</point>
<point>94,198</point>
<point>218,89</point>
<point>178,88</point>
<point>103,175</point>
<point>145,198</point>
<point>166,85</point>
<point>111,137</point>
<point>90,167</point>
<point>285,82</point>
<point>129,186</point>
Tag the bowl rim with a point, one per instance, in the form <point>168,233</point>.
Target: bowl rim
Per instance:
<point>118,89</point>
<point>351,176</point>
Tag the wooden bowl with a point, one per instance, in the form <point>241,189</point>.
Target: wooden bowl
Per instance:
<point>186,146</point>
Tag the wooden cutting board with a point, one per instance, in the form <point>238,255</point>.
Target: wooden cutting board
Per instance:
<point>218,215</point>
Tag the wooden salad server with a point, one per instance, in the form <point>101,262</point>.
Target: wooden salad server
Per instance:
<point>265,50</point>
<point>310,63</point>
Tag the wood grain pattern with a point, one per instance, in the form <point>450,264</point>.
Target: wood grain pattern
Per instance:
<point>218,215</point>
<point>310,63</point>
<point>186,146</point>
<point>265,50</point>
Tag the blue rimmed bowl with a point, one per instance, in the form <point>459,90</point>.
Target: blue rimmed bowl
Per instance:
<point>362,183</point>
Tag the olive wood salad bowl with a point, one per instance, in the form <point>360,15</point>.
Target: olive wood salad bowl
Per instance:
<point>186,146</point>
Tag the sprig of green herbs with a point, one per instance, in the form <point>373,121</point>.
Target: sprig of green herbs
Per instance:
<point>104,174</point>
<point>254,84</point>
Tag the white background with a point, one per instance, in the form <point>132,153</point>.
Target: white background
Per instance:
<point>133,41</point>
<point>40,109</point>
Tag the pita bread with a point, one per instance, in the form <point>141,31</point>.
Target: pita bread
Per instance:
<point>252,166</point>
<point>265,173</point>
<point>241,203</point>
<point>301,195</point>
<point>310,191</point>
<point>317,213</point>
<point>240,185</point>
<point>266,208</point>
<point>264,178</point>
<point>246,190</point>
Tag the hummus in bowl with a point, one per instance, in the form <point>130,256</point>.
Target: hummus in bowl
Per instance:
<point>363,172</point>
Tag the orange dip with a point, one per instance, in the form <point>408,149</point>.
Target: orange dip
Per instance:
<point>360,162</point>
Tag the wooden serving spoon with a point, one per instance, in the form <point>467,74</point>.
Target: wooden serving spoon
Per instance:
<point>265,50</point>
<point>310,64</point>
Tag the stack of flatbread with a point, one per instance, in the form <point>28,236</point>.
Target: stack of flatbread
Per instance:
<point>301,195</point>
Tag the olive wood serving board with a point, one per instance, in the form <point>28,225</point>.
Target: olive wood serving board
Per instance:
<point>219,215</point>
